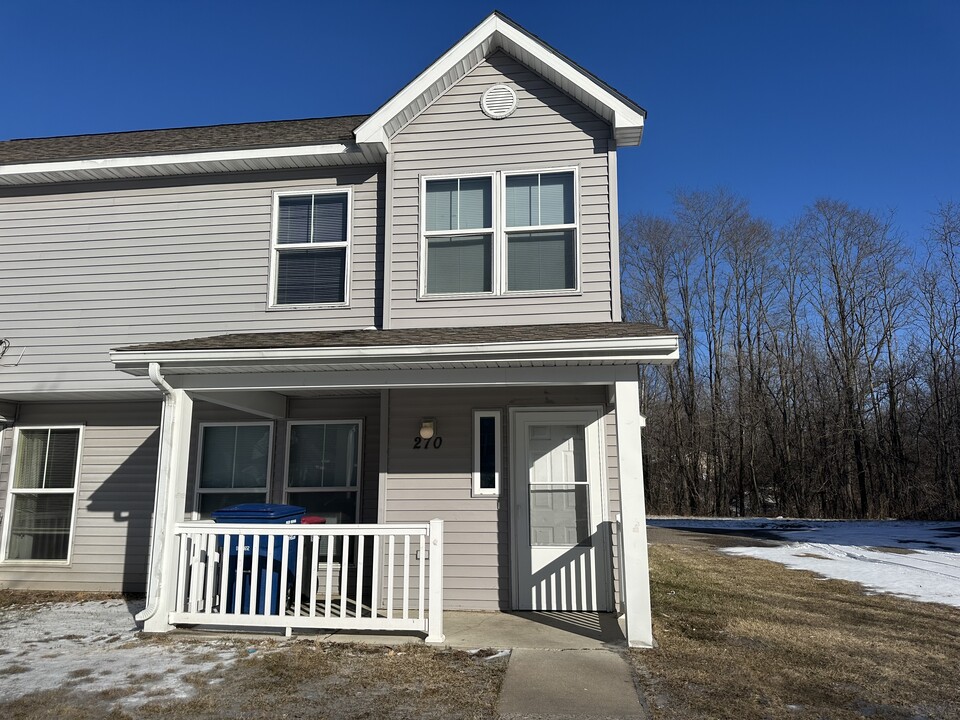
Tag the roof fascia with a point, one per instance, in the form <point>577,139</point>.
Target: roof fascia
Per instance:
<point>666,345</point>
<point>140,161</point>
<point>627,120</point>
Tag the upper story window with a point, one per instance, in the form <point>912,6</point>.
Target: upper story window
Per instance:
<point>510,232</point>
<point>459,235</point>
<point>310,251</point>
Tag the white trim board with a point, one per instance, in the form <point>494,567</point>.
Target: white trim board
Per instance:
<point>612,349</point>
<point>495,33</point>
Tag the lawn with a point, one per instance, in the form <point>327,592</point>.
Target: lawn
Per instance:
<point>82,659</point>
<point>741,638</point>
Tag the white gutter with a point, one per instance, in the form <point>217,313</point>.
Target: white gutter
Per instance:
<point>611,348</point>
<point>154,587</point>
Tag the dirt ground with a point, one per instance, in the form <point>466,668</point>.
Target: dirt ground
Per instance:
<point>745,639</point>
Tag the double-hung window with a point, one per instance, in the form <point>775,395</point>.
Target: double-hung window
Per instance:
<point>458,235</point>
<point>41,504</point>
<point>323,468</point>
<point>510,232</point>
<point>234,465</point>
<point>541,231</point>
<point>311,248</point>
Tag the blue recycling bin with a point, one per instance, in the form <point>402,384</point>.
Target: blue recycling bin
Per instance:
<point>269,569</point>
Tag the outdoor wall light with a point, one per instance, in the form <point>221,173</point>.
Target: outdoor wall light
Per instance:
<point>428,428</point>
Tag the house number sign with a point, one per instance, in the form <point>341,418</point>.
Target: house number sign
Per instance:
<point>420,444</point>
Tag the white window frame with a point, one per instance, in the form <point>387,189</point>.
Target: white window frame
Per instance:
<point>198,491</point>
<point>500,231</point>
<point>491,231</point>
<point>11,491</point>
<point>575,226</point>
<point>276,248</point>
<point>287,489</point>
<point>497,416</point>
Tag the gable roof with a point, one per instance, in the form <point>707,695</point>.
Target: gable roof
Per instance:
<point>278,133</point>
<point>316,142</point>
<point>498,32</point>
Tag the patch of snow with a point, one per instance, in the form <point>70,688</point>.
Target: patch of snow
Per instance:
<point>93,646</point>
<point>927,568</point>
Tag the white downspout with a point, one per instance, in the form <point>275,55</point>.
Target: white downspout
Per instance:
<point>155,579</point>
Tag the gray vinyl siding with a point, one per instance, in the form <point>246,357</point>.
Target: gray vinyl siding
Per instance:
<point>118,466</point>
<point>363,408</point>
<point>612,462</point>
<point>453,136</point>
<point>89,269</point>
<point>436,483</point>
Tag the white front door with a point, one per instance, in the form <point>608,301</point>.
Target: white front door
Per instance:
<point>561,555</point>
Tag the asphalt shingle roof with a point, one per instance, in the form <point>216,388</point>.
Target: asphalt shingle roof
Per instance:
<point>412,336</point>
<point>277,133</point>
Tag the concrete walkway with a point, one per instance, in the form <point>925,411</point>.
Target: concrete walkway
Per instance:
<point>562,665</point>
<point>584,684</point>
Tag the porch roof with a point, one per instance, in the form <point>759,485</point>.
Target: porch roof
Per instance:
<point>413,348</point>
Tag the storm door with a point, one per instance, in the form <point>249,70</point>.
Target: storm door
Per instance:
<point>561,548</point>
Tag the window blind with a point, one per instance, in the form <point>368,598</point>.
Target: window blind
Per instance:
<point>311,276</point>
<point>541,261</point>
<point>459,264</point>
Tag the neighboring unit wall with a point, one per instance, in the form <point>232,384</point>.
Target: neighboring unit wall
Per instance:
<point>436,483</point>
<point>453,136</point>
<point>118,467</point>
<point>93,267</point>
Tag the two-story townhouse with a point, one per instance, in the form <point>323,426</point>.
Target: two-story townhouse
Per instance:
<point>386,319</point>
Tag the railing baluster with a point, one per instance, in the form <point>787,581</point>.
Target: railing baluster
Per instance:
<point>238,573</point>
<point>315,547</point>
<point>422,585</point>
<point>181,599</point>
<point>254,574</point>
<point>268,567</point>
<point>328,583</point>
<point>224,571</point>
<point>361,544</point>
<point>284,569</point>
<point>375,580</point>
<point>345,553</point>
<point>301,563</point>
<point>390,561</point>
<point>406,576</point>
<point>211,573</point>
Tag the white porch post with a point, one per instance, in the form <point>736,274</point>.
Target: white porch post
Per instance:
<point>435,608</point>
<point>634,566</point>
<point>168,509</point>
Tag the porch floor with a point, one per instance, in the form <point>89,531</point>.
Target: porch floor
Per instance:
<point>535,630</point>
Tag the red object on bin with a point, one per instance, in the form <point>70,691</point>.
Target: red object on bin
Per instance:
<point>312,520</point>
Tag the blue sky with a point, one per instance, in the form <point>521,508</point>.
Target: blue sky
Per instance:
<point>782,102</point>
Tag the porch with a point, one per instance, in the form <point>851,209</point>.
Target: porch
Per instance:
<point>533,452</point>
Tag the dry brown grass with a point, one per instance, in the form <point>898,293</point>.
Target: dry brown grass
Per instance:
<point>15,598</point>
<point>741,638</point>
<point>305,679</point>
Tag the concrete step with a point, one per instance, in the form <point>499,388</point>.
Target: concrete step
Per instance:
<point>586,684</point>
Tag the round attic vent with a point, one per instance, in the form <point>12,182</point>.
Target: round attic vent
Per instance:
<point>498,101</point>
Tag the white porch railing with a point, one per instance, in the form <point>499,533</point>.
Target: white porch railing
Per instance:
<point>336,577</point>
